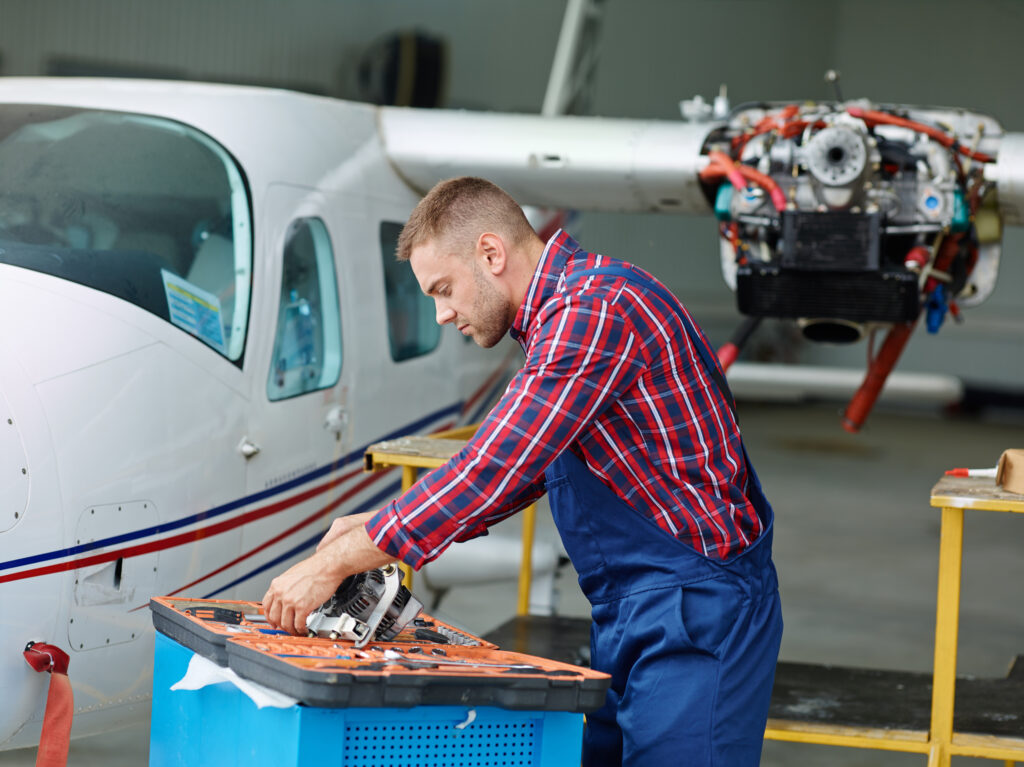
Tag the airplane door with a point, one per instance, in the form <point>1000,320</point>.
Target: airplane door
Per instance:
<point>299,436</point>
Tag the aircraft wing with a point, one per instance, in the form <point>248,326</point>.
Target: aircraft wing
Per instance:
<point>843,216</point>
<point>1007,172</point>
<point>586,163</point>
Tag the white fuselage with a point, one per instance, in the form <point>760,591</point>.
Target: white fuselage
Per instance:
<point>123,475</point>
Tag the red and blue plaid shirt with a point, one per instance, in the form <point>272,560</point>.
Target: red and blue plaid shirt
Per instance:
<point>610,374</point>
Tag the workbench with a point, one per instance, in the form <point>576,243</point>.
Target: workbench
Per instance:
<point>900,711</point>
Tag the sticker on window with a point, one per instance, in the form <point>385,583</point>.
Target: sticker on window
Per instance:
<point>194,310</point>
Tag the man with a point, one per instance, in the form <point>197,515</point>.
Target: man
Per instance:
<point>617,414</point>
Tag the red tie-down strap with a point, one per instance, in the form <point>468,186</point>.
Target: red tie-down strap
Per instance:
<point>60,703</point>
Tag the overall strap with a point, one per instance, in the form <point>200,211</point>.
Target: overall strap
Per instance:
<point>695,338</point>
<point>753,490</point>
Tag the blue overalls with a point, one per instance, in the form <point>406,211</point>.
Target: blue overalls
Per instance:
<point>690,642</point>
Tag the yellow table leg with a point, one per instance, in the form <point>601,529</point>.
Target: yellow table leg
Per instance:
<point>408,480</point>
<point>947,613</point>
<point>526,561</point>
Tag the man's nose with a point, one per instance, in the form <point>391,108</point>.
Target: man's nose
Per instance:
<point>444,314</point>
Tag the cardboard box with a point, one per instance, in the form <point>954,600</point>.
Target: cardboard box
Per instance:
<point>1010,471</point>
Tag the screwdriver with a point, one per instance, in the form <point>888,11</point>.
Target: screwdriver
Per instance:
<point>971,473</point>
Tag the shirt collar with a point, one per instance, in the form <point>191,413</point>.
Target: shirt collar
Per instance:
<point>557,253</point>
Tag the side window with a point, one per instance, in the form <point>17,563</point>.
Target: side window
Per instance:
<point>307,345</point>
<point>412,326</point>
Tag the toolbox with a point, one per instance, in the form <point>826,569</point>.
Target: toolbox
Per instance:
<point>431,695</point>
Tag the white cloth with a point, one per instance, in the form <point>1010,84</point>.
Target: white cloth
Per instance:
<point>202,672</point>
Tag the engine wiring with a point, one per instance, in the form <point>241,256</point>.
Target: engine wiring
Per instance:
<point>857,215</point>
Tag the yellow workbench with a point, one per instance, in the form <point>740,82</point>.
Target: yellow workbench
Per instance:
<point>900,699</point>
<point>414,453</point>
<point>953,496</point>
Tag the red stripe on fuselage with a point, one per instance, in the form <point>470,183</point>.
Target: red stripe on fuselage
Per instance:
<point>181,539</point>
<point>284,534</point>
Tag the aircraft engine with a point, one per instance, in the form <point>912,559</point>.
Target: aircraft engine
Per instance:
<point>848,215</point>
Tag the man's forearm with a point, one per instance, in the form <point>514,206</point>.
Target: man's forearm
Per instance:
<point>352,552</point>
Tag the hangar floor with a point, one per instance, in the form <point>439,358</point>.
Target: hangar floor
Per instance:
<point>856,549</point>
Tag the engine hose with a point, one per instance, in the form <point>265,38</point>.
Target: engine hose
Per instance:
<point>722,165</point>
<point>874,117</point>
<point>738,174</point>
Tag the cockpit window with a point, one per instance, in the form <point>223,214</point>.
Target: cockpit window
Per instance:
<point>143,208</point>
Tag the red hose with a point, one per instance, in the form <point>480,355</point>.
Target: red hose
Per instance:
<point>874,117</point>
<point>728,169</point>
<point>767,183</point>
<point>789,130</point>
<point>738,174</point>
<point>55,738</point>
<point>766,124</point>
<point>864,398</point>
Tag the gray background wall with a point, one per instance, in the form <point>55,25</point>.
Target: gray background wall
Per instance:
<point>652,54</point>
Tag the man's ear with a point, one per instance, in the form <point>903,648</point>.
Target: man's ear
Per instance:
<point>491,251</point>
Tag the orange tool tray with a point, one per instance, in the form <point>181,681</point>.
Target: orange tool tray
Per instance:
<point>200,625</point>
<point>427,663</point>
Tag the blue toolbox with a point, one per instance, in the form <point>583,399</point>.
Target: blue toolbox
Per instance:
<point>429,695</point>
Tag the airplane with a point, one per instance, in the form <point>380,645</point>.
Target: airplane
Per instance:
<point>204,325</point>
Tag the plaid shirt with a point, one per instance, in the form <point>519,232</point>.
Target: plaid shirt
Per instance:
<point>610,374</point>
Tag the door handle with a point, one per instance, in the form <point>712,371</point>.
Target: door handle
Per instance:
<point>248,448</point>
<point>336,420</point>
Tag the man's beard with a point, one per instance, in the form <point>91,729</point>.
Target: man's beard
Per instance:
<point>492,315</point>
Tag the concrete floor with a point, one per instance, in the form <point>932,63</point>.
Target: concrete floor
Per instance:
<point>857,554</point>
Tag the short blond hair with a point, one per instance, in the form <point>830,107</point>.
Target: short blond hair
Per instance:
<point>458,211</point>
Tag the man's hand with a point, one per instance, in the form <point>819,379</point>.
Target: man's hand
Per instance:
<point>302,588</point>
<point>297,592</point>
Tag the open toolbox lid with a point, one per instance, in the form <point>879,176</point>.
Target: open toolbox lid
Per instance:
<point>205,625</point>
<point>428,663</point>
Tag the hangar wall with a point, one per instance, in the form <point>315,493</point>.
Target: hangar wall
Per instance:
<point>307,44</point>
<point>653,53</point>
